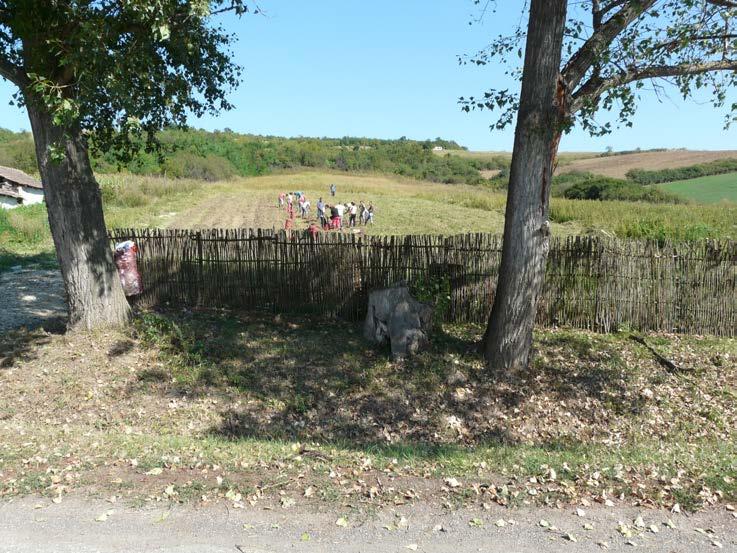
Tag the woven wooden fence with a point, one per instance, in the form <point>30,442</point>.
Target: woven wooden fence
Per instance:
<point>591,283</point>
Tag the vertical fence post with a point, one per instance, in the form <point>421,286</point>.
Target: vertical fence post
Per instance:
<point>200,268</point>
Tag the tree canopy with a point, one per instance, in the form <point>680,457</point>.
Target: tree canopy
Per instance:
<point>614,50</point>
<point>119,70</point>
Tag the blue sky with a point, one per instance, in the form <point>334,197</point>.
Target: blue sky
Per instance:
<point>389,68</point>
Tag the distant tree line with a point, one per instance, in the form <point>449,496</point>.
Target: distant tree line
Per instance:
<point>218,155</point>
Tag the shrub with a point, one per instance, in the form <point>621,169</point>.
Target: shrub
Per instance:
<point>185,165</point>
<point>717,167</point>
<point>604,188</point>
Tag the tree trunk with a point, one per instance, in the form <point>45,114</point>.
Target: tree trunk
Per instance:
<point>94,294</point>
<point>526,227</point>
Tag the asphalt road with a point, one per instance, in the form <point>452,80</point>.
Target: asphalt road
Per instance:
<point>34,525</point>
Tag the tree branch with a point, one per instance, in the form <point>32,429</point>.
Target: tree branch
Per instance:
<point>595,87</point>
<point>723,3</point>
<point>587,55</point>
<point>12,72</point>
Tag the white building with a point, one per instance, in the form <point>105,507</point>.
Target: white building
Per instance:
<point>17,188</point>
<point>437,149</point>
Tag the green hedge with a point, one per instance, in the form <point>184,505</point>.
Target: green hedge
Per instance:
<point>642,176</point>
<point>604,188</point>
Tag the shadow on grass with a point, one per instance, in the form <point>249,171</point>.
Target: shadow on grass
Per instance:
<point>43,260</point>
<point>18,346</point>
<point>305,379</point>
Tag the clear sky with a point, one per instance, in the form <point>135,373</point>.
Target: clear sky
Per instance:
<point>389,68</point>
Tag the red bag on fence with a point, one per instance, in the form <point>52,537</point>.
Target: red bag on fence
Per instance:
<point>125,261</point>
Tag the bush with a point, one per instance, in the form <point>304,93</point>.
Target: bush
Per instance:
<point>19,153</point>
<point>185,165</point>
<point>718,167</point>
<point>604,188</point>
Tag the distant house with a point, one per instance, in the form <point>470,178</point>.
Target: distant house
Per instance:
<point>17,188</point>
<point>437,149</point>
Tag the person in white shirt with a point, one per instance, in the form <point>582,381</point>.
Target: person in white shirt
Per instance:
<point>341,211</point>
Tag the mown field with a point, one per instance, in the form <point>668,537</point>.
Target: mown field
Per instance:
<point>403,206</point>
<point>707,190</point>
<point>617,166</point>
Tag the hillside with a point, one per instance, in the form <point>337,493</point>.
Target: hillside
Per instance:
<point>707,190</point>
<point>617,165</point>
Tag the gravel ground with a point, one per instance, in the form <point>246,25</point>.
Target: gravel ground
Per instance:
<point>85,526</point>
<point>31,298</point>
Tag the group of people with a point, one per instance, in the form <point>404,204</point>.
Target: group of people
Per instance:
<point>348,214</point>
<point>329,216</point>
<point>288,200</point>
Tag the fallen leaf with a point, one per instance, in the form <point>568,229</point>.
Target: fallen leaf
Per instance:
<point>309,490</point>
<point>342,522</point>
<point>669,523</point>
<point>654,528</point>
<point>452,482</point>
<point>570,537</point>
<point>287,502</point>
<point>588,526</point>
<point>603,544</point>
<point>476,522</point>
<point>155,471</point>
<point>412,547</point>
<point>305,537</point>
<point>544,523</point>
<point>501,523</point>
<point>56,500</point>
<point>716,544</point>
<point>639,522</point>
<point>580,512</point>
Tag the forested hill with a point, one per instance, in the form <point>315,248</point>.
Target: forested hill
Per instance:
<point>221,154</point>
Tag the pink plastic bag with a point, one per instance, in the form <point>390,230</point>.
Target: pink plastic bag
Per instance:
<point>125,261</point>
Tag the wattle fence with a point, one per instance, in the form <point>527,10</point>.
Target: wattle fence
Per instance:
<point>591,283</point>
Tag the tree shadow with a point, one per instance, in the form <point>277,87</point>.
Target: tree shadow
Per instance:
<point>21,345</point>
<point>308,379</point>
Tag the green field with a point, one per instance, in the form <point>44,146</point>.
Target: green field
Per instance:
<point>403,206</point>
<point>705,190</point>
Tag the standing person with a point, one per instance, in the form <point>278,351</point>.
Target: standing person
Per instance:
<point>361,211</point>
<point>341,212</point>
<point>333,190</point>
<point>370,219</point>
<point>352,212</point>
<point>301,202</point>
<point>334,217</point>
<point>281,199</point>
<point>305,209</point>
<point>321,211</point>
<point>290,201</point>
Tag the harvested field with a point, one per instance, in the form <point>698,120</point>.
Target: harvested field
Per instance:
<point>618,165</point>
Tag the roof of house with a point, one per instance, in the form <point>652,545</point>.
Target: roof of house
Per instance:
<point>9,193</point>
<point>18,177</point>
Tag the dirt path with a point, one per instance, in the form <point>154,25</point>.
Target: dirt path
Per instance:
<point>31,298</point>
<point>37,525</point>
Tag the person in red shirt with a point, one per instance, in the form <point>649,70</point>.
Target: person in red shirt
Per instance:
<point>313,230</point>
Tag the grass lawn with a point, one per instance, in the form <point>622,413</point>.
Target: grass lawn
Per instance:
<point>243,408</point>
<point>705,190</point>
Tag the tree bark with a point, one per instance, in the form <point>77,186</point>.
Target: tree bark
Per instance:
<point>541,114</point>
<point>95,296</point>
